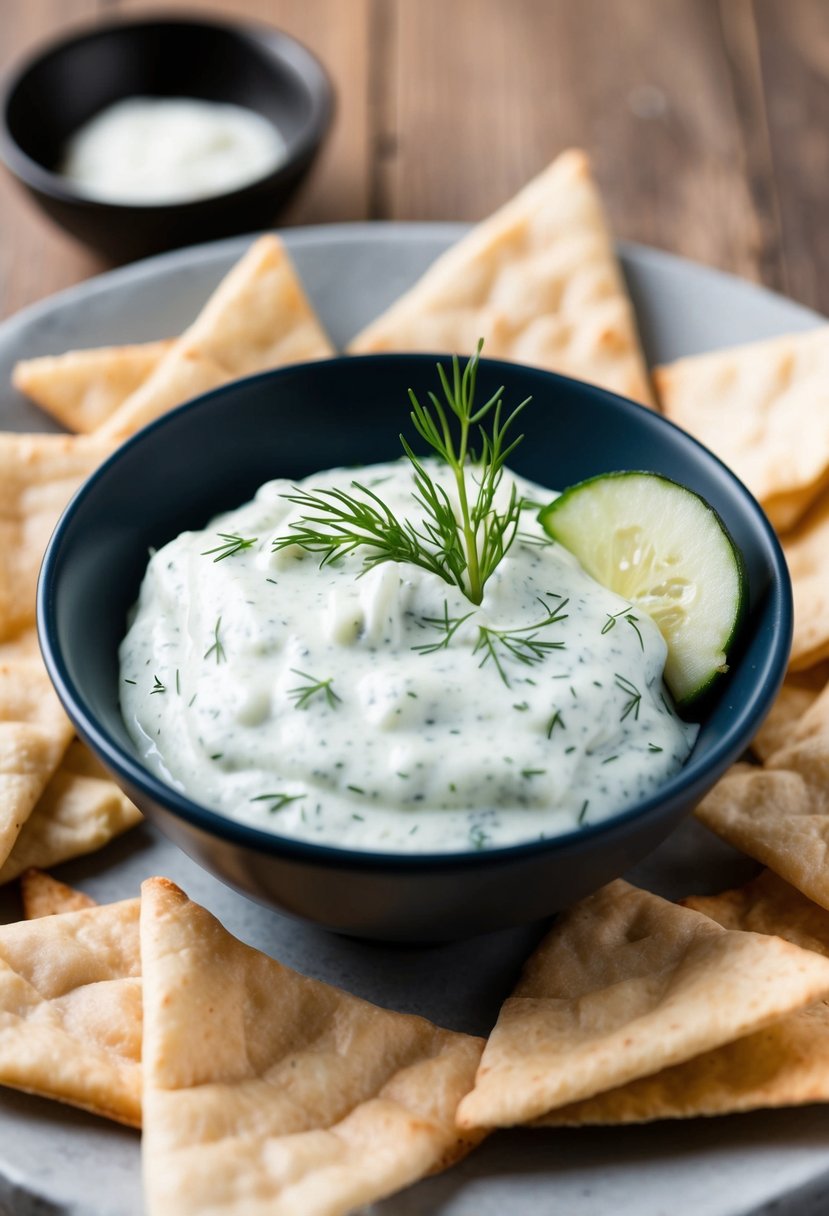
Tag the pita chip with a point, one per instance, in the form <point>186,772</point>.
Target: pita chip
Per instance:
<point>787,1064</point>
<point>43,895</point>
<point>81,388</point>
<point>806,552</point>
<point>70,1009</point>
<point>764,410</point>
<point>258,318</point>
<point>779,814</point>
<point>538,281</point>
<point>787,720</point>
<point>34,734</point>
<point>270,1094</point>
<point>626,984</point>
<point>80,811</point>
<point>38,476</point>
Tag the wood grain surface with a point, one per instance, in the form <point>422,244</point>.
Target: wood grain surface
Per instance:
<point>707,121</point>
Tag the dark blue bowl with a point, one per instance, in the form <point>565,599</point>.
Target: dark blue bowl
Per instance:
<point>211,455</point>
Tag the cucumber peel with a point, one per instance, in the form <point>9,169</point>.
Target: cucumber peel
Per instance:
<point>662,547</point>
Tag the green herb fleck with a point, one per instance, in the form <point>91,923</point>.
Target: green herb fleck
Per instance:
<point>303,694</point>
<point>216,648</point>
<point>555,721</point>
<point>583,810</point>
<point>230,544</point>
<point>446,625</point>
<point>278,801</point>
<point>522,645</point>
<point>157,686</point>
<point>635,698</point>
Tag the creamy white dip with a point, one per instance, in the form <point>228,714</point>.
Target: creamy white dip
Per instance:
<point>318,704</point>
<point>154,150</point>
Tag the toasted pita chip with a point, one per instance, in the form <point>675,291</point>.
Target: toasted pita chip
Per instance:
<point>258,318</point>
<point>779,814</point>
<point>624,985</point>
<point>82,388</point>
<point>786,1064</point>
<point>34,734</point>
<point>70,1009</point>
<point>43,895</point>
<point>269,1093</point>
<point>764,409</point>
<point>800,690</point>
<point>538,281</point>
<point>79,812</point>
<point>38,476</point>
<point>806,552</point>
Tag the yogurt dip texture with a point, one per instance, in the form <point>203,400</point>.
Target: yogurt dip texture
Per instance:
<point>363,712</point>
<point>153,150</point>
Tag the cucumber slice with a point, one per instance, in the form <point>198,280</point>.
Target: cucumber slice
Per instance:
<point>665,550</point>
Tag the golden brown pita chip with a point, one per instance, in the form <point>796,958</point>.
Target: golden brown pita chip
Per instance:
<point>34,734</point>
<point>79,812</point>
<point>83,387</point>
<point>786,1064</point>
<point>43,895</point>
<point>38,476</point>
<point>538,281</point>
<point>764,409</point>
<point>269,1093</point>
<point>258,318</point>
<point>800,690</point>
<point>806,552</point>
<point>779,814</point>
<point>624,985</point>
<point>70,1009</point>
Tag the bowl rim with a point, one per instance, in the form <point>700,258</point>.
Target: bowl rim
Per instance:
<point>686,784</point>
<point>292,55</point>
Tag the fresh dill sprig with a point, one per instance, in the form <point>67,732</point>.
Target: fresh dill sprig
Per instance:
<point>627,614</point>
<point>461,542</point>
<point>555,721</point>
<point>216,648</point>
<point>157,686</point>
<point>446,625</point>
<point>635,698</point>
<point>278,801</point>
<point>303,694</point>
<point>521,645</point>
<point>230,544</point>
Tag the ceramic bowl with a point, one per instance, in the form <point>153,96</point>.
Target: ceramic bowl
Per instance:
<point>211,455</point>
<point>45,99</point>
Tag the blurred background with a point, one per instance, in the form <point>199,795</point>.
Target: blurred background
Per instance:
<point>707,121</point>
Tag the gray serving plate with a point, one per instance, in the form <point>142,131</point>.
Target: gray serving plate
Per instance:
<point>57,1160</point>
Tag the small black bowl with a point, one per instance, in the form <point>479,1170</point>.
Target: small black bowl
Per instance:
<point>46,99</point>
<point>211,455</point>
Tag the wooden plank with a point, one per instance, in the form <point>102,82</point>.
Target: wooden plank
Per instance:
<point>337,31</point>
<point>36,257</point>
<point>794,54</point>
<point>480,95</point>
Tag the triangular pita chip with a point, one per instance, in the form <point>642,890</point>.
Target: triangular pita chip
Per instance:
<point>779,814</point>
<point>271,1094</point>
<point>43,895</point>
<point>788,720</point>
<point>626,984</point>
<point>38,476</point>
<point>79,812</point>
<point>34,734</point>
<point>787,1064</point>
<point>83,387</point>
<point>806,552</point>
<point>70,1009</point>
<point>764,409</point>
<point>258,318</point>
<point>538,281</point>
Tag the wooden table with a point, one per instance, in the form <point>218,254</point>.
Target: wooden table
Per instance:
<point>707,121</point>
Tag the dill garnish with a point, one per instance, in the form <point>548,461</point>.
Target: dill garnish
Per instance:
<point>555,721</point>
<point>216,648</point>
<point>230,544</point>
<point>523,645</point>
<point>304,693</point>
<point>461,542</point>
<point>157,686</point>
<point>635,698</point>
<point>627,615</point>
<point>583,810</point>
<point>446,624</point>
<point>278,801</point>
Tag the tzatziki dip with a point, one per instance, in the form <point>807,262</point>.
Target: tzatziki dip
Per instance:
<point>378,708</point>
